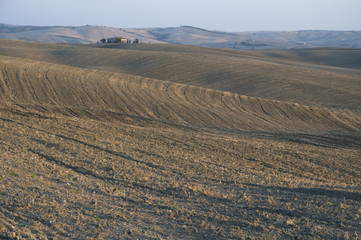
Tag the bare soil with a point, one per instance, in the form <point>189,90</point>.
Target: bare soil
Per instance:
<point>91,153</point>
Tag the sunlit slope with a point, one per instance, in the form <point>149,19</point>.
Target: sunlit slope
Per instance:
<point>242,72</point>
<point>338,57</point>
<point>79,92</point>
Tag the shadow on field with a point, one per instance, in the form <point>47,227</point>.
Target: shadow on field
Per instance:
<point>7,120</point>
<point>347,139</point>
<point>313,191</point>
<point>118,154</point>
<point>83,171</point>
<point>74,168</point>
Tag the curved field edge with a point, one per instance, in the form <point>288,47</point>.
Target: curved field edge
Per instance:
<point>241,72</point>
<point>59,89</point>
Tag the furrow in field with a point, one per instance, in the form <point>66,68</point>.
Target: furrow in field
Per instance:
<point>83,92</point>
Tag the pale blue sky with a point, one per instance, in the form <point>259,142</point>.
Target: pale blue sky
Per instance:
<point>226,15</point>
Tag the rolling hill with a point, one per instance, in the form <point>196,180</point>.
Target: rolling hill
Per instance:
<point>74,91</point>
<point>241,72</point>
<point>186,35</point>
<point>172,141</point>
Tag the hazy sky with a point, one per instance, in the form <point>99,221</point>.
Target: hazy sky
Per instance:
<point>227,15</point>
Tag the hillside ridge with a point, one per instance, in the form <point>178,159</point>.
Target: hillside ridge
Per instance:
<point>186,35</point>
<point>249,73</point>
<point>82,92</point>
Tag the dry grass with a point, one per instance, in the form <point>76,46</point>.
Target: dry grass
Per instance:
<point>95,154</point>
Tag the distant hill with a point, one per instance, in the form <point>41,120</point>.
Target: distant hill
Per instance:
<point>185,35</point>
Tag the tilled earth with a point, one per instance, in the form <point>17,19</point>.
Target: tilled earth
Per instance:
<point>177,143</point>
<point>80,178</point>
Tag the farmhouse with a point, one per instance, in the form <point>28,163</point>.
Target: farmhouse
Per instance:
<point>115,40</point>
